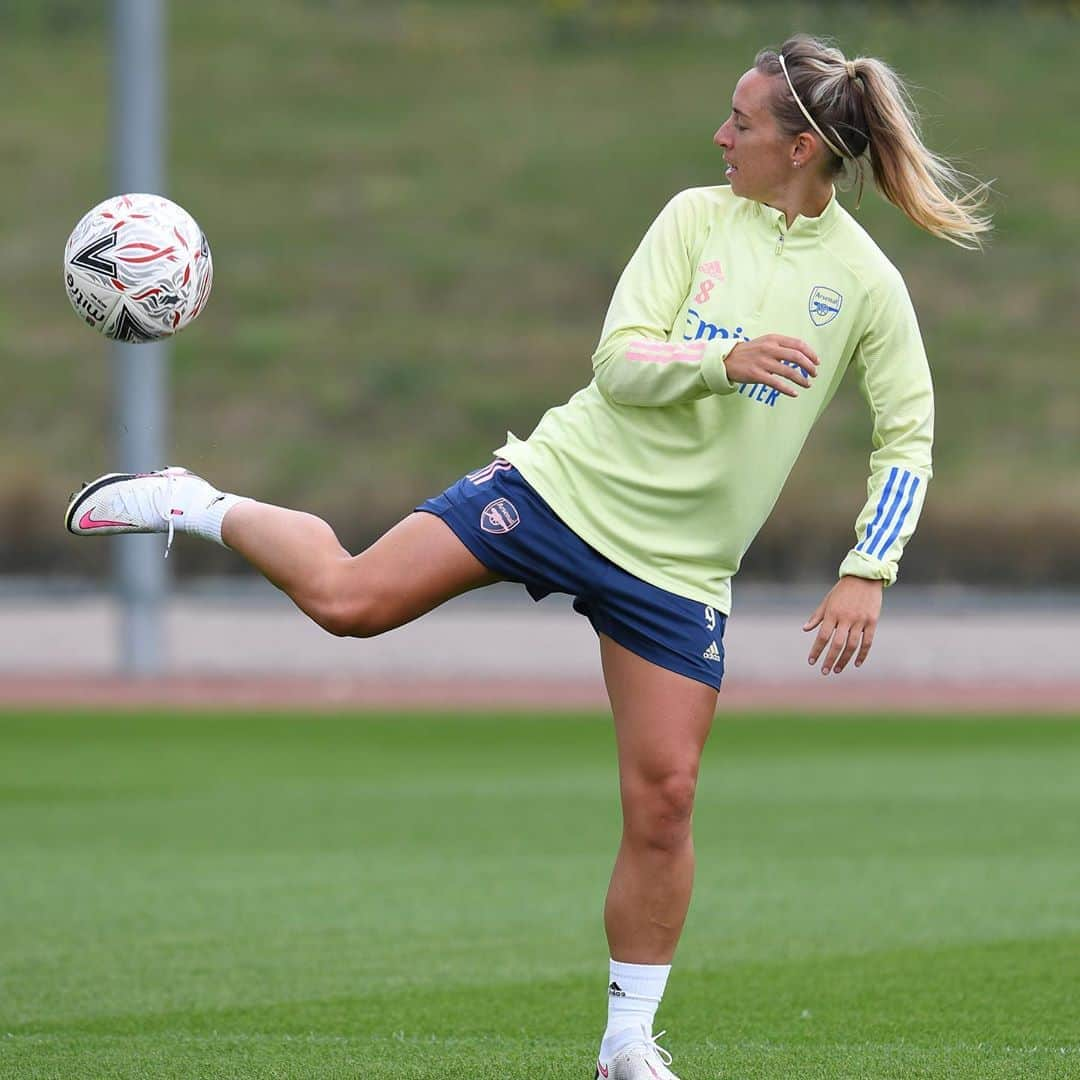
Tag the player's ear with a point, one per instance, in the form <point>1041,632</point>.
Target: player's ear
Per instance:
<point>803,147</point>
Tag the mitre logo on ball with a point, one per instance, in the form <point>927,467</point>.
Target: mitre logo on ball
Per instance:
<point>137,268</point>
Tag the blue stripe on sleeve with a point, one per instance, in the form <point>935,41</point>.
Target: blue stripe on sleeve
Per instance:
<point>905,476</point>
<point>903,517</point>
<point>880,507</point>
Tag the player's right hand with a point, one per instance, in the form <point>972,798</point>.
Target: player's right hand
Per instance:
<point>775,360</point>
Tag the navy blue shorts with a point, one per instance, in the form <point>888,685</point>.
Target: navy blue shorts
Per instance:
<point>516,535</point>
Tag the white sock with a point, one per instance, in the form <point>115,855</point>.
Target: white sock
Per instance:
<point>203,516</point>
<point>634,994</point>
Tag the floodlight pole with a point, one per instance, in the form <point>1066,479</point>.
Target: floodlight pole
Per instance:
<point>139,372</point>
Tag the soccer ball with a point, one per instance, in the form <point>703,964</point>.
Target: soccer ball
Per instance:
<point>137,268</point>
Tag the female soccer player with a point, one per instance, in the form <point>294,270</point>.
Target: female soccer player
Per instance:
<point>728,334</point>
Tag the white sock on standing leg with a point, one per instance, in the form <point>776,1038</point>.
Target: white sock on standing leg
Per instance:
<point>634,995</point>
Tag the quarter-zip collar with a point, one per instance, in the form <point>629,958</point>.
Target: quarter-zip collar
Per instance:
<point>812,228</point>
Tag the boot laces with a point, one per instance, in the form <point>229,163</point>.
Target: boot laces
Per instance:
<point>137,502</point>
<point>663,1054</point>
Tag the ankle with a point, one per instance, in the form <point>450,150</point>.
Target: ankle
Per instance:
<point>206,516</point>
<point>634,995</point>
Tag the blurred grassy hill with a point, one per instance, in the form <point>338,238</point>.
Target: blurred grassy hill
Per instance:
<point>418,212</point>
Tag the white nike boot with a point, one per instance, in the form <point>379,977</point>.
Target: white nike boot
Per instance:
<point>642,1058</point>
<point>157,502</point>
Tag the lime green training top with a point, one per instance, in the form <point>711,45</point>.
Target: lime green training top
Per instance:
<point>668,468</point>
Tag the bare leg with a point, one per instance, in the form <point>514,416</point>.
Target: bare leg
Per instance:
<point>661,723</point>
<point>417,565</point>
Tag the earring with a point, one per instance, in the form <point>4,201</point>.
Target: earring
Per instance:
<point>796,164</point>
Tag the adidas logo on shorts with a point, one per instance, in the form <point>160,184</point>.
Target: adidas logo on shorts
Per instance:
<point>712,652</point>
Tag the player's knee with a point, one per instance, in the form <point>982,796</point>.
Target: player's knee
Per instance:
<point>345,613</point>
<point>661,808</point>
<point>351,618</point>
<point>334,618</point>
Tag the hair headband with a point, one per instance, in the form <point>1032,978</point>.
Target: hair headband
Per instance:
<point>831,145</point>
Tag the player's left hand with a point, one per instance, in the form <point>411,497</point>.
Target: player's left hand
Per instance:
<point>846,620</point>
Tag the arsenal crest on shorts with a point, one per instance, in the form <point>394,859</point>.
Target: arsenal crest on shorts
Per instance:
<point>499,516</point>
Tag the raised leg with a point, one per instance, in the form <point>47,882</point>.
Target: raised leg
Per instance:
<point>417,565</point>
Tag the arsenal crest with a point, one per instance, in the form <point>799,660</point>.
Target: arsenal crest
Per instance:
<point>499,516</point>
<point>824,304</point>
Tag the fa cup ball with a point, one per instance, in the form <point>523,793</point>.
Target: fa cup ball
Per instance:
<point>137,268</point>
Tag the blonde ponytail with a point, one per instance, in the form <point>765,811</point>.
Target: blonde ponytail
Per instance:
<point>863,110</point>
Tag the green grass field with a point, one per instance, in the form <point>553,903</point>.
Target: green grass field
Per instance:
<point>419,896</point>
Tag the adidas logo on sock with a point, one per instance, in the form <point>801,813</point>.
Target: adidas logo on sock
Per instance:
<point>712,652</point>
<point>615,990</point>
